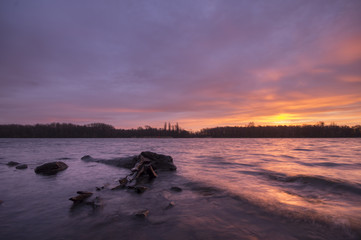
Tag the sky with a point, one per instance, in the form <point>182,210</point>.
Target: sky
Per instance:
<point>201,63</point>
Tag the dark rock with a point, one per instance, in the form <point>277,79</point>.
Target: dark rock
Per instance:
<point>127,162</point>
<point>140,189</point>
<point>100,188</point>
<point>170,205</point>
<point>118,187</point>
<point>86,157</point>
<point>82,195</point>
<point>123,181</point>
<point>176,189</point>
<point>159,161</point>
<point>12,163</point>
<point>51,168</point>
<point>143,213</point>
<point>21,166</point>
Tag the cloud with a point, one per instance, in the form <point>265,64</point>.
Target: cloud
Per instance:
<point>197,62</point>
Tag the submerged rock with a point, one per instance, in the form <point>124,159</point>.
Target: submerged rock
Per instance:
<point>143,213</point>
<point>82,195</point>
<point>140,189</point>
<point>21,166</point>
<point>170,205</point>
<point>51,168</point>
<point>12,163</point>
<point>176,189</point>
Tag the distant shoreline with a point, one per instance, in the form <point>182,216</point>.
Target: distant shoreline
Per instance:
<point>101,130</point>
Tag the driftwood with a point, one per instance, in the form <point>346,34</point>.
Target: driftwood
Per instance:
<point>142,168</point>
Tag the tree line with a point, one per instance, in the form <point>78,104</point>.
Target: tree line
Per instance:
<point>93,130</point>
<point>101,130</point>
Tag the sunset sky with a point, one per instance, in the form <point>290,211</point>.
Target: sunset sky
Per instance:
<point>199,63</point>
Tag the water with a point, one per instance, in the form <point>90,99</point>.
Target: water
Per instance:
<point>232,188</point>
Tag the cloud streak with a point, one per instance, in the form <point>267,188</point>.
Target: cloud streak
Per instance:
<point>201,63</point>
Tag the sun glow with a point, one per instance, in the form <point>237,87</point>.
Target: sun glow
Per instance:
<point>282,118</point>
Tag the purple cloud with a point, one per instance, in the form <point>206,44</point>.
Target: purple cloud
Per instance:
<point>130,63</point>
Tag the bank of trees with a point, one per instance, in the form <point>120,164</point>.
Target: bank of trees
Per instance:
<point>94,130</point>
<point>101,130</point>
<point>306,131</point>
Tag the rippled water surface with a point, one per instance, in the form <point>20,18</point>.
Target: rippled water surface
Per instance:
<point>231,188</point>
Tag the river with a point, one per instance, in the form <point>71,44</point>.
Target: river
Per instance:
<point>231,188</point>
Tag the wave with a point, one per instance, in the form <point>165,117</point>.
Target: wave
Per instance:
<point>320,182</point>
<point>63,158</point>
<point>323,164</point>
<point>303,149</point>
<point>272,209</point>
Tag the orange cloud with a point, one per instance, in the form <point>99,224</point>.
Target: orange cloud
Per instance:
<point>351,78</point>
<point>347,51</point>
<point>266,108</point>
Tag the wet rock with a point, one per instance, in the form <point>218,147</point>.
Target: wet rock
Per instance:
<point>170,205</point>
<point>82,195</point>
<point>51,168</point>
<point>176,189</point>
<point>21,166</point>
<point>118,187</point>
<point>12,163</point>
<point>140,189</point>
<point>143,213</point>
<point>86,157</point>
<point>127,162</point>
<point>99,188</point>
<point>123,181</point>
<point>160,161</point>
<point>157,161</point>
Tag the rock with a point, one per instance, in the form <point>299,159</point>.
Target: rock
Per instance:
<point>86,157</point>
<point>140,189</point>
<point>123,181</point>
<point>127,162</point>
<point>118,187</point>
<point>51,168</point>
<point>21,166</point>
<point>157,161</point>
<point>82,195</point>
<point>143,213</point>
<point>176,189</point>
<point>12,163</point>
<point>170,205</point>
